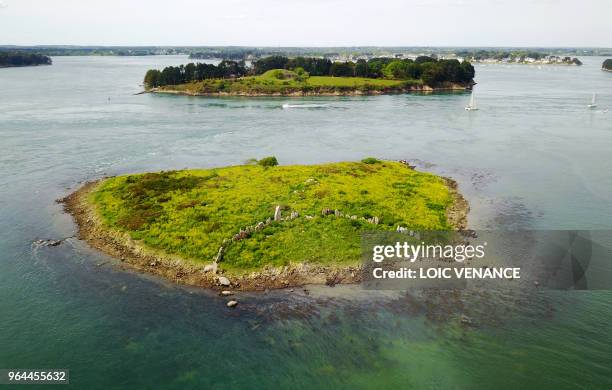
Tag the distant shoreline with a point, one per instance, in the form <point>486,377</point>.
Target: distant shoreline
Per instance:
<point>23,66</point>
<point>540,63</point>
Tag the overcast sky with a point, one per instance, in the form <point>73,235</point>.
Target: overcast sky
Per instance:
<point>307,22</point>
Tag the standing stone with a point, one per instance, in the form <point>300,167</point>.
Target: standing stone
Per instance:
<point>219,254</point>
<point>277,213</point>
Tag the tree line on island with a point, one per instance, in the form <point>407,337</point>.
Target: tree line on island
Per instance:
<point>428,69</point>
<point>13,59</point>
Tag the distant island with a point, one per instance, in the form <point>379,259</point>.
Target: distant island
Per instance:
<point>517,57</point>
<point>260,225</point>
<point>607,65</point>
<point>283,76</point>
<point>17,59</point>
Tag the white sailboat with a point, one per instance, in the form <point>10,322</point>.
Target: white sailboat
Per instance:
<point>593,101</point>
<point>471,105</point>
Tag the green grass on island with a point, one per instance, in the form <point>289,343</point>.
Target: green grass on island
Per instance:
<point>191,213</point>
<point>285,82</point>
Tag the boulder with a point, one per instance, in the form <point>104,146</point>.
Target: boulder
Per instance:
<point>224,281</point>
<point>232,303</point>
<point>226,293</point>
<point>466,320</point>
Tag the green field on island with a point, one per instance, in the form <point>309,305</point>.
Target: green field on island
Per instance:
<point>286,82</point>
<point>323,208</point>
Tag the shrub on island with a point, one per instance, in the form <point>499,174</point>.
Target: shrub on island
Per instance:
<point>268,162</point>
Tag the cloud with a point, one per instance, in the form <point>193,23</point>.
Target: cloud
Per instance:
<point>3,5</point>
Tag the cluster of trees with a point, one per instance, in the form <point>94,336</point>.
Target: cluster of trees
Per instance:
<point>22,59</point>
<point>431,70</point>
<point>172,75</point>
<point>314,66</point>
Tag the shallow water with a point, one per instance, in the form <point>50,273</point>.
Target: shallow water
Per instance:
<point>533,156</point>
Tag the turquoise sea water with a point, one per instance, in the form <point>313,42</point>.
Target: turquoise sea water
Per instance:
<point>532,157</point>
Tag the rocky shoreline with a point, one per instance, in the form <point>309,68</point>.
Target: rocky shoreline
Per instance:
<point>135,256</point>
<point>353,92</point>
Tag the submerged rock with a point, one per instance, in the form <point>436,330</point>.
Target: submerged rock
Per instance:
<point>47,242</point>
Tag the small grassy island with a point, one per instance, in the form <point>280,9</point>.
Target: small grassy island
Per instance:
<point>260,225</point>
<point>16,59</point>
<point>607,65</point>
<point>282,76</point>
